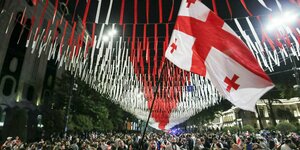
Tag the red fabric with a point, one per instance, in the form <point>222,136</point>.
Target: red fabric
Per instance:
<point>72,34</point>
<point>277,41</point>
<point>160,11</point>
<point>55,8</point>
<point>155,50</point>
<point>171,12</point>
<point>138,50</point>
<point>122,12</point>
<point>55,31</point>
<point>229,8</point>
<point>63,37</point>
<point>93,34</point>
<point>77,1</point>
<point>245,6</point>
<point>148,54</point>
<point>147,11</point>
<point>167,35</point>
<point>265,35</point>
<point>144,36</point>
<point>86,11</point>
<point>42,16</point>
<point>135,11</point>
<point>141,59</point>
<point>133,36</point>
<point>77,46</point>
<point>214,7</point>
<point>47,30</point>
<point>35,2</point>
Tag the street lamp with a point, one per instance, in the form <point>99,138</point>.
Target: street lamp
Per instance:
<point>74,88</point>
<point>282,20</point>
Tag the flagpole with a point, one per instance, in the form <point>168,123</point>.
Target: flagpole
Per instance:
<point>152,105</point>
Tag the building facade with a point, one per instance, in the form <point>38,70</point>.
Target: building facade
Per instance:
<point>283,110</point>
<point>26,76</point>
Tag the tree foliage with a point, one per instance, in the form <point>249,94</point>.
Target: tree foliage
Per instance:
<point>248,128</point>
<point>210,113</point>
<point>89,110</point>
<point>286,114</point>
<point>285,127</point>
<point>232,130</point>
<point>53,120</point>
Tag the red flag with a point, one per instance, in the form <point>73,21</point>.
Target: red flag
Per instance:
<point>204,44</point>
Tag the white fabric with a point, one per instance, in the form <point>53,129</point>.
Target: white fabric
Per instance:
<point>183,54</point>
<point>251,88</point>
<point>264,4</point>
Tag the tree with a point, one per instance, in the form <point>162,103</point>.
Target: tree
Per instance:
<point>269,103</point>
<point>209,114</point>
<point>281,90</point>
<point>89,110</point>
<point>232,130</point>
<point>53,120</point>
<point>248,128</point>
<point>286,114</point>
<point>285,127</point>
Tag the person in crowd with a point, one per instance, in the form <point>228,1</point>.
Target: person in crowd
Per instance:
<point>248,143</point>
<point>173,145</point>
<point>152,145</point>
<point>199,144</point>
<point>190,142</point>
<point>235,147</point>
<point>215,144</point>
<point>155,141</point>
<point>286,145</point>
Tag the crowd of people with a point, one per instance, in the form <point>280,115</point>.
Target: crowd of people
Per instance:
<point>163,141</point>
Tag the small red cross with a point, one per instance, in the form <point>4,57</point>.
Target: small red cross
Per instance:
<point>231,83</point>
<point>174,46</point>
<point>189,3</point>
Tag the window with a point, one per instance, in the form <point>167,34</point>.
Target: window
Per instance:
<point>30,93</point>
<point>8,87</point>
<point>261,112</point>
<point>2,3</point>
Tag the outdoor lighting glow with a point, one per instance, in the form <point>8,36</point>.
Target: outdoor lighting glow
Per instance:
<point>38,102</point>
<point>105,38</point>
<point>112,32</point>
<point>282,20</point>
<point>18,98</point>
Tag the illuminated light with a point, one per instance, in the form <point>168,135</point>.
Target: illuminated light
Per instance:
<point>18,98</point>
<point>112,32</point>
<point>283,20</point>
<point>38,102</point>
<point>105,38</point>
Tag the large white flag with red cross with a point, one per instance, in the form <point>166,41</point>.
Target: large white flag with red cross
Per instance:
<point>204,44</point>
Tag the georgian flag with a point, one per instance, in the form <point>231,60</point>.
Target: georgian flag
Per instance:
<point>204,44</point>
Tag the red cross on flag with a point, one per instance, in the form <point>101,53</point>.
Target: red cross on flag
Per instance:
<point>203,44</point>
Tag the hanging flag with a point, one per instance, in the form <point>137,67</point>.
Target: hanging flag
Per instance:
<point>204,44</point>
<point>264,4</point>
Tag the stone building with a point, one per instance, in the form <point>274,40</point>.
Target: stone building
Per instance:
<point>26,76</point>
<point>284,110</point>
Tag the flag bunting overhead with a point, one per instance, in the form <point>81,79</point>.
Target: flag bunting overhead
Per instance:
<point>127,66</point>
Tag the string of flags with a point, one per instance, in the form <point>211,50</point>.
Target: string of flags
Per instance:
<point>128,68</point>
